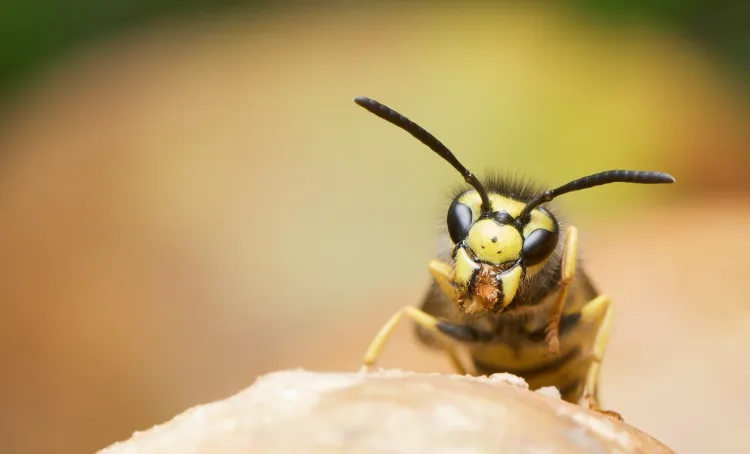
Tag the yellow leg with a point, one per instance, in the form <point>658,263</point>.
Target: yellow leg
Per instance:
<point>569,258</point>
<point>598,310</point>
<point>443,274</point>
<point>421,318</point>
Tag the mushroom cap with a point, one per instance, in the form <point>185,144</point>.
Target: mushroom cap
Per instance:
<point>391,411</point>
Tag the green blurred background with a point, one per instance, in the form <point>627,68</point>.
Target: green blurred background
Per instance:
<point>190,198</point>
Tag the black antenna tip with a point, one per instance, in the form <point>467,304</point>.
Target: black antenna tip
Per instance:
<point>666,178</point>
<point>376,108</point>
<point>363,100</point>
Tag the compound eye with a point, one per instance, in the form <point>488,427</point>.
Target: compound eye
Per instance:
<point>538,246</point>
<point>459,221</point>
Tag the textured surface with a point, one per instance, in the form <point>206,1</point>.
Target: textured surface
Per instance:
<point>389,411</point>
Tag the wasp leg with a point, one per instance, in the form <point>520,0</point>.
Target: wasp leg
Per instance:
<point>443,274</point>
<point>569,258</point>
<point>422,319</point>
<point>599,309</point>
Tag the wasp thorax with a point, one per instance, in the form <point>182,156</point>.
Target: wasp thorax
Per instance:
<point>494,243</point>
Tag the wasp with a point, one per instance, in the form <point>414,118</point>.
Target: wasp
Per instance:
<point>508,291</point>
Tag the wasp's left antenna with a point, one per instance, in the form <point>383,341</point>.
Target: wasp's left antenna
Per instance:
<point>391,116</point>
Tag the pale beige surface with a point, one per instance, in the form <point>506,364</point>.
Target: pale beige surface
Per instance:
<point>389,411</point>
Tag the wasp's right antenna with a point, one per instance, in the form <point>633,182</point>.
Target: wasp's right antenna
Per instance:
<point>597,179</point>
<point>391,116</point>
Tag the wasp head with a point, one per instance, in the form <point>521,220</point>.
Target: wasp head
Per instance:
<point>495,249</point>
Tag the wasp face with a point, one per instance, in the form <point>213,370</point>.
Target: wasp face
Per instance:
<point>494,251</point>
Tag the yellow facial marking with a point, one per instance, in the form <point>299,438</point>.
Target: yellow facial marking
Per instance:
<point>494,243</point>
<point>510,280</point>
<point>465,268</point>
<point>499,203</point>
<point>539,220</point>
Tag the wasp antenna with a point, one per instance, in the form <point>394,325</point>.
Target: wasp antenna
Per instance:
<point>393,117</point>
<point>598,179</point>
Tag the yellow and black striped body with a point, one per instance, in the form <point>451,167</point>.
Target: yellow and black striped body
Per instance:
<point>518,344</point>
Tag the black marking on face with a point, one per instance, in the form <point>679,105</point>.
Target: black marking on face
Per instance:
<point>503,218</point>
<point>470,287</point>
<point>500,292</point>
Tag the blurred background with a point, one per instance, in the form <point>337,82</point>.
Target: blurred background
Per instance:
<point>190,198</point>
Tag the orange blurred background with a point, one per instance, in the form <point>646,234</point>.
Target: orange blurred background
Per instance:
<point>191,203</point>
